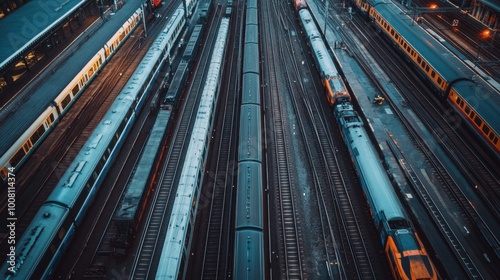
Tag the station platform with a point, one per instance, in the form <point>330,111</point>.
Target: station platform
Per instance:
<point>33,30</point>
<point>17,116</point>
<point>387,129</point>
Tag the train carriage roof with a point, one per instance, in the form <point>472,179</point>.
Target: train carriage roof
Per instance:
<point>249,193</point>
<point>374,178</point>
<point>441,59</point>
<point>36,239</point>
<point>252,34</point>
<point>483,99</point>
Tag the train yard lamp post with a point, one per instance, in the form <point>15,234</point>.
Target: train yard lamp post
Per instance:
<point>484,40</point>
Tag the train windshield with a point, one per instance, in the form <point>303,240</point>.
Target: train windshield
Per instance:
<point>406,240</point>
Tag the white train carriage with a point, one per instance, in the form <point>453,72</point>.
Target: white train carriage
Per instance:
<point>175,250</point>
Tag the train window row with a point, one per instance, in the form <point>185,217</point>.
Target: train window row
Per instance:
<point>485,129</point>
<point>80,84</point>
<point>28,145</point>
<point>436,78</point>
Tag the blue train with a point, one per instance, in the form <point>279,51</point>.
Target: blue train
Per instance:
<point>249,253</point>
<point>49,234</point>
<point>405,252</point>
<point>475,100</point>
<point>175,252</point>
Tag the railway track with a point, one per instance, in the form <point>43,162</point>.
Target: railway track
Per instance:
<point>53,157</point>
<point>217,263</point>
<point>292,266</point>
<point>172,168</point>
<point>345,233</point>
<point>447,133</point>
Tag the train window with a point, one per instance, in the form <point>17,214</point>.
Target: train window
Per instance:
<point>472,115</point>
<point>426,68</point>
<point>65,101</point>
<point>53,248</point>
<point>91,72</point>
<point>408,49</point>
<point>107,152</point>
<point>439,80</point>
<point>4,173</point>
<point>397,36</point>
<point>61,233</point>
<point>478,121</point>
<point>392,33</point>
<point>433,74</point>
<point>486,129</point>
<point>459,100</point>
<point>37,134</point>
<point>467,110</point>
<point>52,118</point>
<point>99,167</point>
<point>17,157</point>
<point>75,90</point>
<point>419,59</point>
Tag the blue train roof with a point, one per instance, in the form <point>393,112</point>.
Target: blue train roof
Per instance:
<point>249,147</point>
<point>73,181</point>
<point>373,176</point>
<point>249,196</point>
<point>36,240</point>
<point>249,255</point>
<point>252,16</point>
<point>252,4</point>
<point>250,63</point>
<point>251,89</point>
<point>441,59</point>
<point>252,34</point>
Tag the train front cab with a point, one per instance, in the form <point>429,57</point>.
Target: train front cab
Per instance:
<point>407,256</point>
<point>332,95</point>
